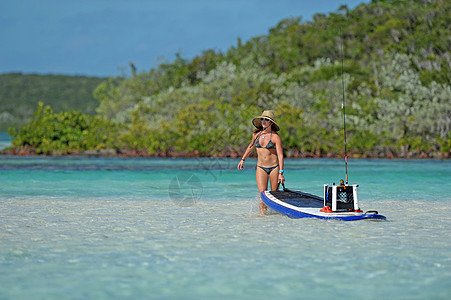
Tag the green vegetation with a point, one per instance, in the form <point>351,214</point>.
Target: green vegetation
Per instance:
<point>65,132</point>
<point>20,93</point>
<point>397,78</point>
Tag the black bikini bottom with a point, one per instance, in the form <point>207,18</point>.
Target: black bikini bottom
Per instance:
<point>267,170</point>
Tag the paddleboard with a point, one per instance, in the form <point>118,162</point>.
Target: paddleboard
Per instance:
<point>297,204</point>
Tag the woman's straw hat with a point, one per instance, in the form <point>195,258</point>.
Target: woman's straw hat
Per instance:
<point>266,114</point>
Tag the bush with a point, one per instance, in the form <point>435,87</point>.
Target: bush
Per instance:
<point>64,132</point>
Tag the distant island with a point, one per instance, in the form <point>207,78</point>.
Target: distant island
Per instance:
<point>397,80</point>
<point>20,94</point>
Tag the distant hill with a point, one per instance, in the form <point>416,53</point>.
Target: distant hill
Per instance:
<point>20,93</point>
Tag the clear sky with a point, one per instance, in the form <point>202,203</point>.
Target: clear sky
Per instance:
<point>101,37</point>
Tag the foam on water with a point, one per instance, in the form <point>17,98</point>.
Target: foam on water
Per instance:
<point>73,233</point>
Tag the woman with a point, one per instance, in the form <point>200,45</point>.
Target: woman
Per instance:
<point>270,154</point>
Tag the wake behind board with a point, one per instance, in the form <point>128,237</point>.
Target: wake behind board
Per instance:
<point>296,204</point>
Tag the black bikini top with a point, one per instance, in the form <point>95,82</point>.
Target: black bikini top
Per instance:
<point>270,144</point>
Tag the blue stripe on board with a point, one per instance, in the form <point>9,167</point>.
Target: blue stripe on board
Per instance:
<point>297,214</point>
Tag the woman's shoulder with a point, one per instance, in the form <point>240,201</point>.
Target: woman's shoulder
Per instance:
<point>276,135</point>
<point>276,138</point>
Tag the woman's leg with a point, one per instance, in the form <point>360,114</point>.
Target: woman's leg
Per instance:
<point>262,184</point>
<point>274,178</point>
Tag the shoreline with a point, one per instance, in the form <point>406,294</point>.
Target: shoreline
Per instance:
<point>290,153</point>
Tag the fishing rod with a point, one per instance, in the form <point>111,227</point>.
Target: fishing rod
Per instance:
<point>343,104</point>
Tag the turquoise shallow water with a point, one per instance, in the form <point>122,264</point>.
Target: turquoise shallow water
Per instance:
<point>5,140</point>
<point>110,228</point>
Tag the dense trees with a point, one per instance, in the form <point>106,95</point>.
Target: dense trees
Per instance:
<point>396,72</point>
